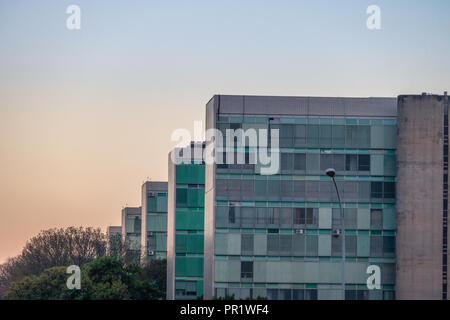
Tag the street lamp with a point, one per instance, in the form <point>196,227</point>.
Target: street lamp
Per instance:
<point>331,173</point>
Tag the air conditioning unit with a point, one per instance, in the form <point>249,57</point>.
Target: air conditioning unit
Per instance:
<point>151,253</point>
<point>299,231</point>
<point>336,232</point>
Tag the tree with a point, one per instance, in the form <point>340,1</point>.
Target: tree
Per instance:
<point>106,278</point>
<point>156,271</point>
<point>51,248</point>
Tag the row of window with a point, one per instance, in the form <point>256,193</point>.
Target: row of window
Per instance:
<point>302,294</point>
<point>285,217</point>
<point>327,136</point>
<point>300,190</point>
<point>315,163</point>
<point>375,246</point>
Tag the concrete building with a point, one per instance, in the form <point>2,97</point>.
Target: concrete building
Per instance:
<point>422,197</point>
<point>131,234</point>
<point>186,191</point>
<point>275,236</point>
<point>154,221</point>
<point>114,238</point>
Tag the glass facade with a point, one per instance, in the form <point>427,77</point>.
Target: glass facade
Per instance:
<point>131,224</point>
<point>189,225</point>
<point>275,235</point>
<point>156,225</point>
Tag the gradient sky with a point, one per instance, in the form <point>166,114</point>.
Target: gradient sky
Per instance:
<point>86,116</point>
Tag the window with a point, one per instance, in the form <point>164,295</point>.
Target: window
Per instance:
<point>298,245</point>
<point>299,189</point>
<point>339,162</point>
<point>231,215</point>
<point>311,294</point>
<point>285,245</point>
<point>299,216</point>
<point>338,136</point>
<point>247,244</point>
<point>364,162</point>
<point>299,161</point>
<point>351,217</point>
<point>246,270</point>
<point>350,245</point>
<point>389,190</point>
<point>325,136</point>
<point>272,294</point>
<point>304,216</point>
<point>389,246</point>
<point>376,246</point>
<point>298,294</point>
<point>286,135</point>
<point>376,219</point>
<point>313,136</point>
<point>273,243</point>
<point>336,218</point>
<point>312,189</point>
<point>247,216</point>
<point>274,189</point>
<point>376,190</point>
<point>326,161</point>
<point>261,189</point>
<point>350,294</point>
<point>286,189</point>
<point>312,245</point>
<point>312,163</point>
<point>351,161</point>
<point>300,136</point>
<point>336,246</point>
<point>273,216</point>
<point>261,215</point>
<point>137,225</point>
<point>286,294</point>
<point>285,215</point>
<point>287,162</point>
<point>181,195</point>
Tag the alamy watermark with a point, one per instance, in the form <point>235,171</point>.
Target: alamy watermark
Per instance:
<point>74,281</point>
<point>234,146</point>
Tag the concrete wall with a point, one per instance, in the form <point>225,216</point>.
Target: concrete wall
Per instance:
<point>210,175</point>
<point>171,212</point>
<point>419,197</point>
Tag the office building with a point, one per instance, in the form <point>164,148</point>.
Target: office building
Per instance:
<point>131,234</point>
<point>114,241</point>
<point>154,221</point>
<point>186,190</point>
<point>277,236</point>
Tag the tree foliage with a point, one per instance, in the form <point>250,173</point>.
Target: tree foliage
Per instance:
<point>156,270</point>
<point>52,248</point>
<point>106,278</point>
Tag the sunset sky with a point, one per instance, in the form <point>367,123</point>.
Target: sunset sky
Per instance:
<point>86,115</point>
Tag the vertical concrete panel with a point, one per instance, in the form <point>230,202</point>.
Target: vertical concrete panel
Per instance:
<point>419,197</point>
<point>325,245</point>
<point>376,165</point>
<point>363,219</point>
<point>324,218</point>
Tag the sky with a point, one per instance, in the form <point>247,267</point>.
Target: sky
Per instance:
<point>86,115</point>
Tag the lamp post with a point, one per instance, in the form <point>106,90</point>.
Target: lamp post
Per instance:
<point>331,173</point>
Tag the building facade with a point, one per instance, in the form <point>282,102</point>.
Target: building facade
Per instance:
<point>131,234</point>
<point>186,190</point>
<point>114,238</point>
<point>422,197</point>
<point>154,221</point>
<point>276,236</point>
